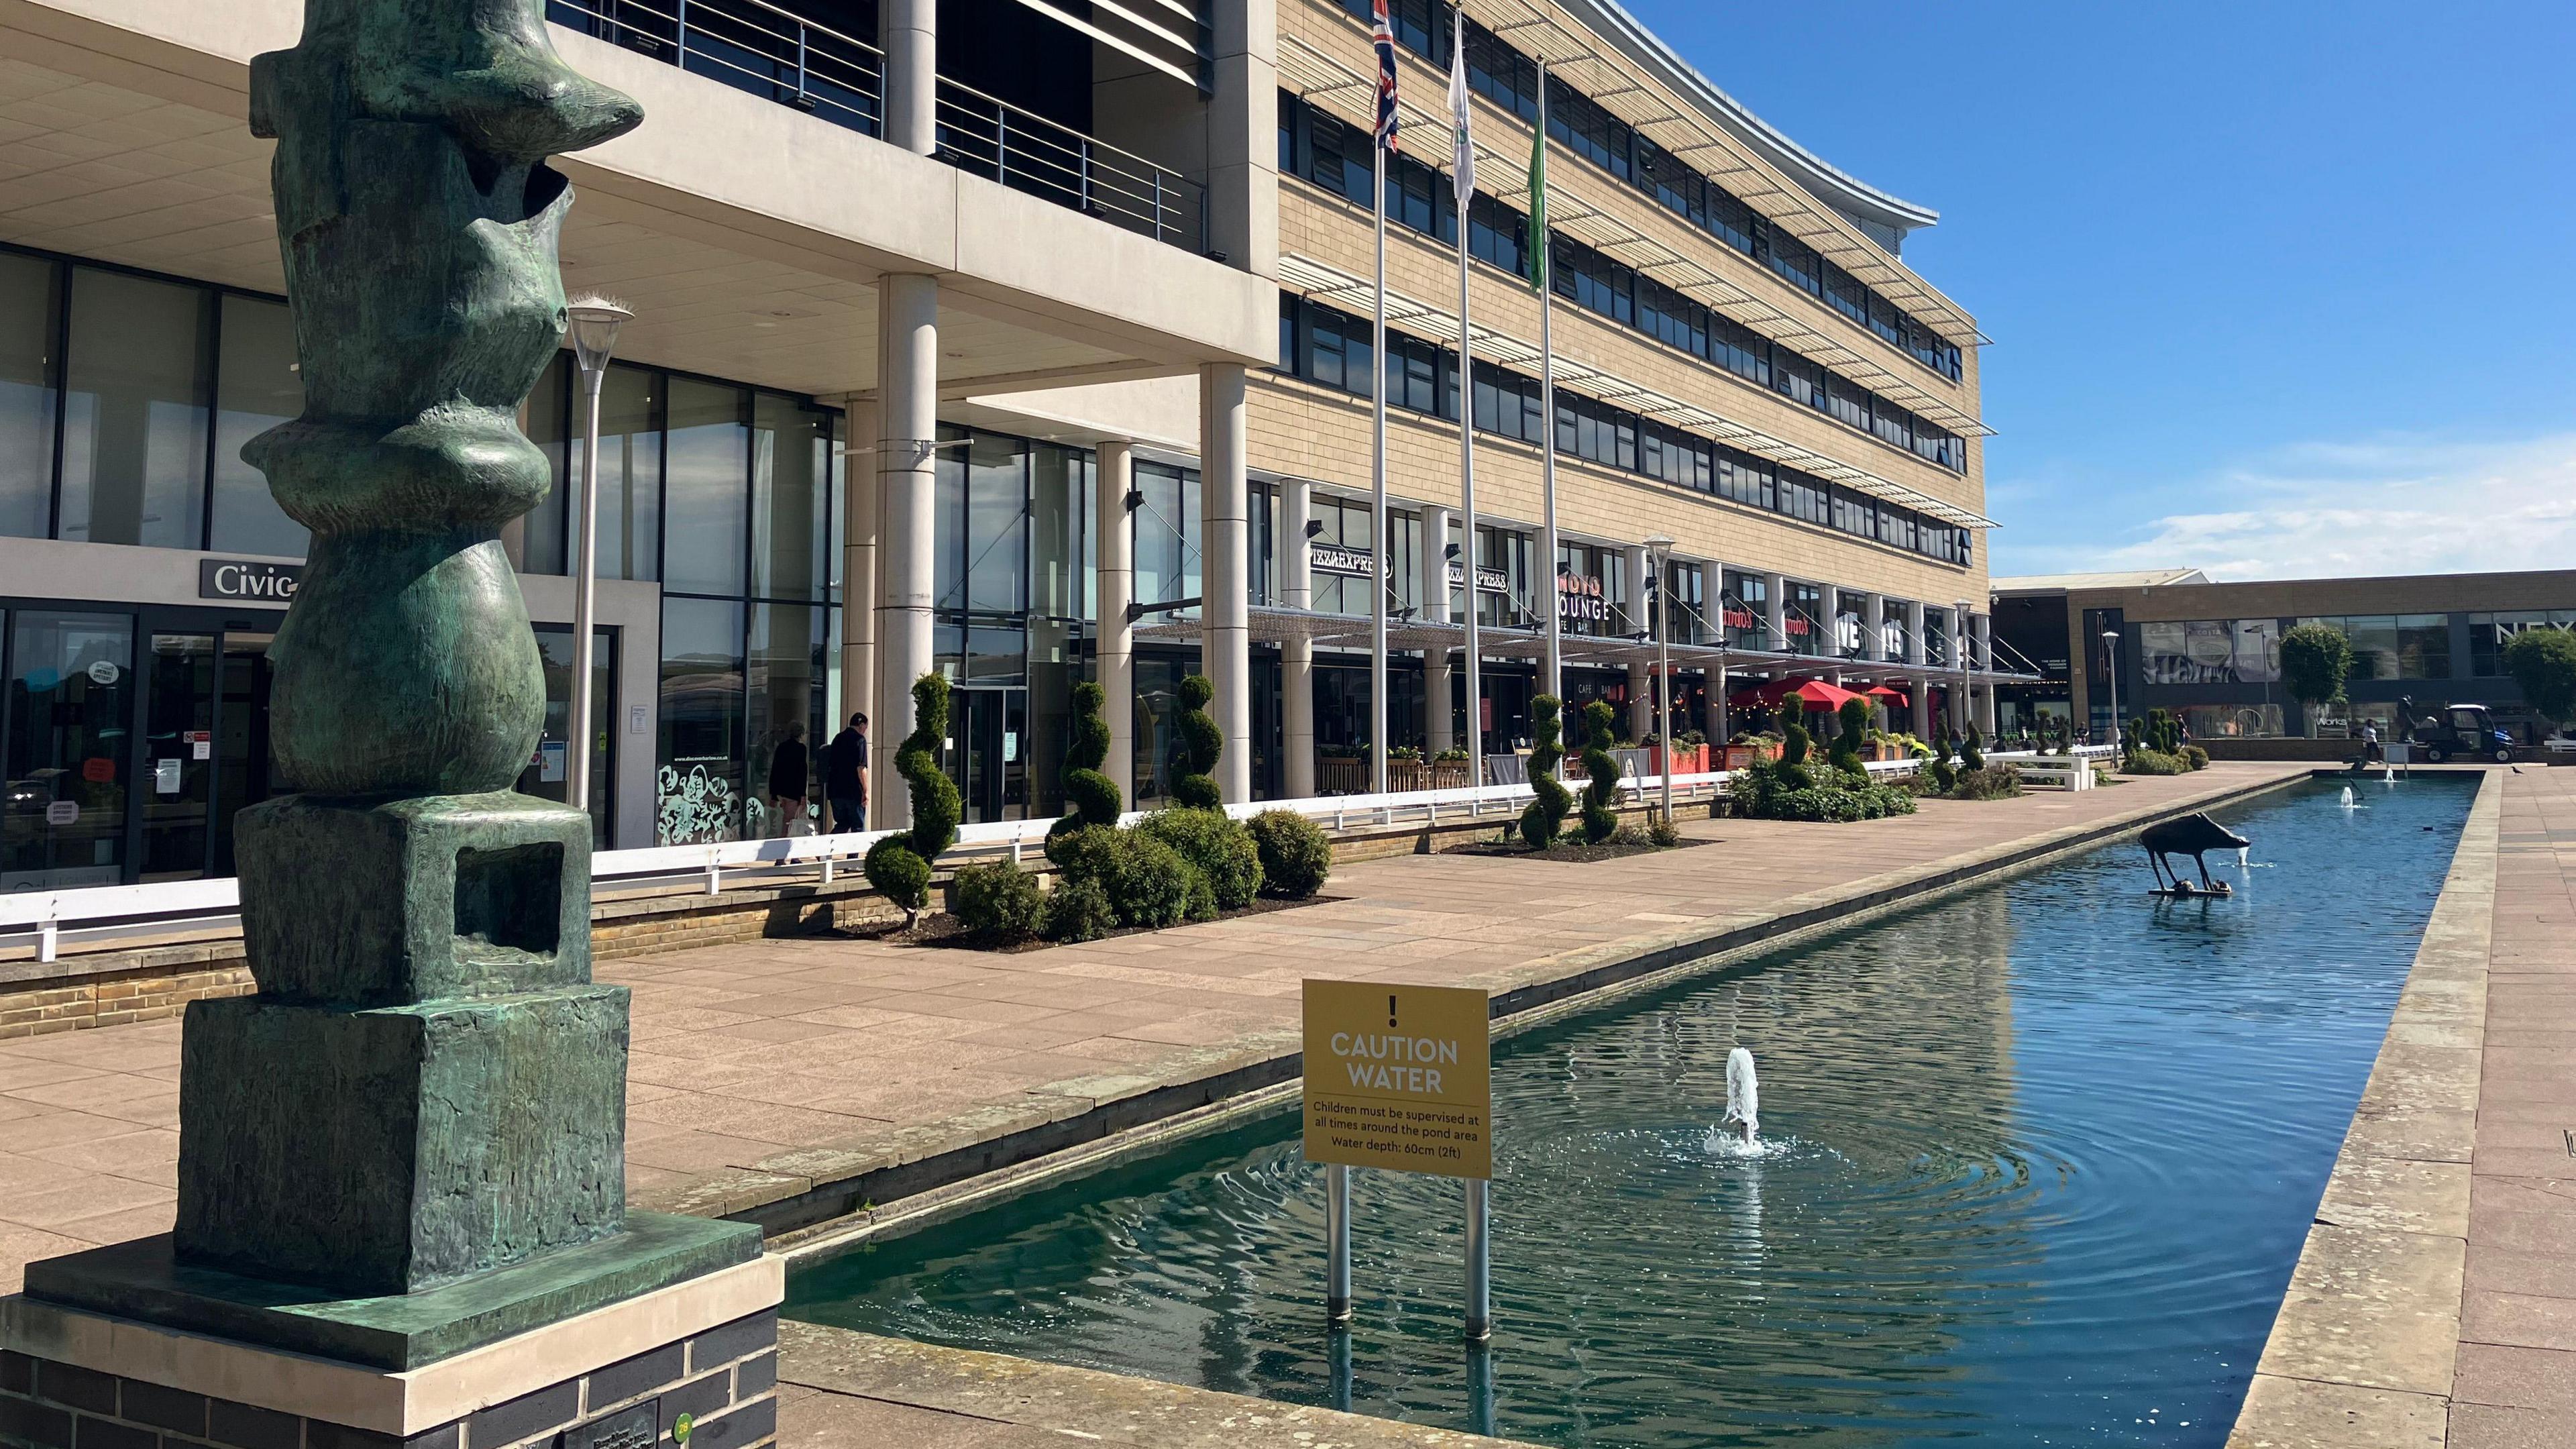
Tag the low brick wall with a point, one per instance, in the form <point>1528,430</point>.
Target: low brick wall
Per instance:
<point>150,983</point>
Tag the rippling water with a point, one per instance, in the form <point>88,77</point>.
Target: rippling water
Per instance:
<point>2037,1162</point>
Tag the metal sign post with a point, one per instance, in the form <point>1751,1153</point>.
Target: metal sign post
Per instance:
<point>1401,1077</point>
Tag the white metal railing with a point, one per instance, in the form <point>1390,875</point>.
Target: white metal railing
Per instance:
<point>1027,152</point>
<point>200,905</point>
<point>750,45</point>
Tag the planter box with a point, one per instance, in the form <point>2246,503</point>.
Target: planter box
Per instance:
<point>1344,776</point>
<point>1687,760</point>
<point>1739,756</point>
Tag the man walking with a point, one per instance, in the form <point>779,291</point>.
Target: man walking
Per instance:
<point>787,780</point>
<point>845,777</point>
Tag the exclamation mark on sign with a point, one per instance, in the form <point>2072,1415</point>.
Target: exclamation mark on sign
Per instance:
<point>1390,1011</point>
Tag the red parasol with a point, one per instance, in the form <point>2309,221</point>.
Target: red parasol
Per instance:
<point>1811,693</point>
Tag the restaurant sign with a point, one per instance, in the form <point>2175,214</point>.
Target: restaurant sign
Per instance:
<point>1488,580</point>
<point>1334,558</point>
<point>1580,600</point>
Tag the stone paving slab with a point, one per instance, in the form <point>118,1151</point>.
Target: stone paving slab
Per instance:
<point>761,1069</point>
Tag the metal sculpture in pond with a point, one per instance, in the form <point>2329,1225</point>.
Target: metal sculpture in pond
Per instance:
<point>2194,835</point>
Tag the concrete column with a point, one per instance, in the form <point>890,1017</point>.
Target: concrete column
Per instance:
<point>912,78</point>
<point>908,416</point>
<point>1984,657</point>
<point>1641,707</point>
<point>1243,136</point>
<point>1114,584</point>
<point>1873,627</point>
<point>1920,687</point>
<point>859,497</point>
<point>1225,547</point>
<point>1297,654</point>
<point>1714,592</point>
<point>1833,626</point>
<point>1437,671</point>
<point>1775,612</point>
<point>1914,634</point>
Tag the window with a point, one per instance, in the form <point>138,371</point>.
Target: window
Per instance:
<point>707,448</point>
<point>1746,479</point>
<point>2395,646</point>
<point>1744,605</point>
<point>1803,618</point>
<point>1845,294</point>
<point>1803,497</point>
<point>1508,403</point>
<point>702,780</point>
<point>791,473</point>
<point>1794,260</point>
<point>1740,350</point>
<point>256,388</point>
<point>134,437</point>
<point>2210,651</point>
<point>30,300</point>
<point>1798,379</point>
<point>1498,234</point>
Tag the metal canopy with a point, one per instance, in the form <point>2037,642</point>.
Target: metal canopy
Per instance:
<point>1358,296</point>
<point>1276,623</point>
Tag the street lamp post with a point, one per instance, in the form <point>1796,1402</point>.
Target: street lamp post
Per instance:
<point>1658,557</point>
<point>2111,666</point>
<point>595,321</point>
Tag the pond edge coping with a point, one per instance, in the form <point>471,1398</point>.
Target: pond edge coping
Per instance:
<point>2362,1352</point>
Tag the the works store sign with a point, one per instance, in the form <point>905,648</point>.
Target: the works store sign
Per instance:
<point>234,579</point>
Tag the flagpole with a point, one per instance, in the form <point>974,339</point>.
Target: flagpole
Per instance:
<point>1377,495</point>
<point>1555,674</point>
<point>1464,185</point>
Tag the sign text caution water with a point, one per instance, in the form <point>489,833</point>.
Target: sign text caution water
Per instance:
<point>1399,1077</point>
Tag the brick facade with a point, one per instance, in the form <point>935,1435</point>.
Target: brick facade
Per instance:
<point>723,1382</point>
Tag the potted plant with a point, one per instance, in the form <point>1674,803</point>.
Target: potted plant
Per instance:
<point>1404,769</point>
<point>1449,770</point>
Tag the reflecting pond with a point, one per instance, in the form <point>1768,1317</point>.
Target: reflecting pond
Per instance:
<point>2037,1162</point>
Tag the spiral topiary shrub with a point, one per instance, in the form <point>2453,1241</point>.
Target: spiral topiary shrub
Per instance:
<point>899,865</point>
<point>1092,794</point>
<point>1793,745</point>
<point>1296,859</point>
<point>1544,820</point>
<point>1599,824</point>
<point>1201,743</point>
<point>1972,750</point>
<point>997,901</point>
<point>1217,847</point>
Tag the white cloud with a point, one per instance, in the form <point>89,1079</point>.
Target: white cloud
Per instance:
<point>2328,510</point>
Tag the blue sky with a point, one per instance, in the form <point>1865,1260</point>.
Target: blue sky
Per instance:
<point>2277,290</point>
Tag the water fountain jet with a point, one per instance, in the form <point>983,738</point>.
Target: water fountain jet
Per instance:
<point>1743,1094</point>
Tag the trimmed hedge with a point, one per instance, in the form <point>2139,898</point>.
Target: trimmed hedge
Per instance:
<point>997,901</point>
<point>1216,847</point>
<point>1296,858</point>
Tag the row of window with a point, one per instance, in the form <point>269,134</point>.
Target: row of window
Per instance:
<point>1338,157</point>
<point>1510,80</point>
<point>1324,345</point>
<point>2384,646</point>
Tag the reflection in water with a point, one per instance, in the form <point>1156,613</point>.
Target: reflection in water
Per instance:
<point>2036,1164</point>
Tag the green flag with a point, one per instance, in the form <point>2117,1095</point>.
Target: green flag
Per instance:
<point>1538,203</point>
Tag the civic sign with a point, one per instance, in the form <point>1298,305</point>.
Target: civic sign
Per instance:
<point>232,578</point>
<point>1399,1077</point>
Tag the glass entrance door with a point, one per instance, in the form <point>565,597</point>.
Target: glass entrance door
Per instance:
<point>201,756</point>
<point>64,764</point>
<point>988,752</point>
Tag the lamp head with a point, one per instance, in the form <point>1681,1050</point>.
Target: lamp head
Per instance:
<point>1314,526</point>
<point>593,323</point>
<point>1659,545</point>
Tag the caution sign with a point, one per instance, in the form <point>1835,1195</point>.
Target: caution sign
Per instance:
<point>1399,1077</point>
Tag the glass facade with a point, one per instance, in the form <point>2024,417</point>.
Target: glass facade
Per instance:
<point>2395,646</point>
<point>2210,651</point>
<point>2489,633</point>
<point>70,678</point>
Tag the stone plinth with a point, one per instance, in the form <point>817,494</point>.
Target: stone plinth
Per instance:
<point>699,1354</point>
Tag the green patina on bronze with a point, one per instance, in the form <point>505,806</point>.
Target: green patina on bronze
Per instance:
<point>414,1135</point>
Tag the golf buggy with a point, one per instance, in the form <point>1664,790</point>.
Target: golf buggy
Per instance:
<point>2465,730</point>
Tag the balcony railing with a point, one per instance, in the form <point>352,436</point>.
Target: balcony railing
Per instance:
<point>1027,152</point>
<point>756,47</point>
<point>750,46</point>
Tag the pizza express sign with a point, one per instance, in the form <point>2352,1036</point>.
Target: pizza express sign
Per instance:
<point>264,583</point>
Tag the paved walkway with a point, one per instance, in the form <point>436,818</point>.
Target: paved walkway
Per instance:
<point>757,1065</point>
<point>2515,1384</point>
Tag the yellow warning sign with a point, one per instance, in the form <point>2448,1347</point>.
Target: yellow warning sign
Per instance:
<point>1399,1077</point>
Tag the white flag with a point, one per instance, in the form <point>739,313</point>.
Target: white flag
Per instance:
<point>1463,161</point>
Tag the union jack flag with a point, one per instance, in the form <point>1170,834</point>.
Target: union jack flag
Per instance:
<point>1383,36</point>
